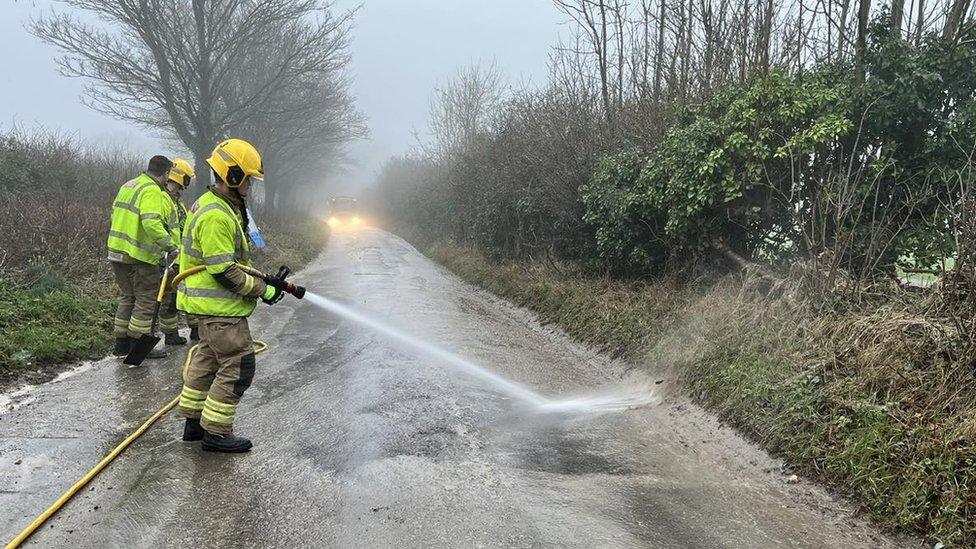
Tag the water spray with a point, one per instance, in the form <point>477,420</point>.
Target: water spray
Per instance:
<point>592,403</point>
<point>508,387</point>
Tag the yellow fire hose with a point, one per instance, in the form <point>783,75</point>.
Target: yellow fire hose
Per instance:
<point>259,347</point>
<point>194,270</point>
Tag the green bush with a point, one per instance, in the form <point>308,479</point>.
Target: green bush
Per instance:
<point>791,166</point>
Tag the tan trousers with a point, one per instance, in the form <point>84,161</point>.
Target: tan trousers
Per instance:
<point>138,284</point>
<point>220,370</point>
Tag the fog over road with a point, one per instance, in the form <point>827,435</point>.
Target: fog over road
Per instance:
<point>361,443</point>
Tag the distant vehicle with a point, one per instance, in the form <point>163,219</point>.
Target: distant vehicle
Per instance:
<point>343,210</point>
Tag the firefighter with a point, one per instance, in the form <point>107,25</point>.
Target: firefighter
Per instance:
<point>222,296</point>
<point>140,241</point>
<point>179,179</point>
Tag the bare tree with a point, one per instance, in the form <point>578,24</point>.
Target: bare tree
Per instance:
<point>464,107</point>
<point>173,65</point>
<point>602,23</point>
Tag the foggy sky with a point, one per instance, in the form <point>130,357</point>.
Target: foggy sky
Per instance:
<point>401,50</point>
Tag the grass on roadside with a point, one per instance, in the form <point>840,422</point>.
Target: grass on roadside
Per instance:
<point>38,328</point>
<point>47,320</point>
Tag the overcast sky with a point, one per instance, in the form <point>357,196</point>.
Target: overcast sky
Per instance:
<point>401,51</point>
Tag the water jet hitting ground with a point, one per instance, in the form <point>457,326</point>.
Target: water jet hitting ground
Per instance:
<point>587,403</point>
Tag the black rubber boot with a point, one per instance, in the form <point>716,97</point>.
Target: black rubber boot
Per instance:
<point>122,346</point>
<point>228,444</point>
<point>157,353</point>
<point>192,431</point>
<point>194,333</point>
<point>175,339</point>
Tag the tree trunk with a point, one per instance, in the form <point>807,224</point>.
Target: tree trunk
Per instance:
<point>202,170</point>
<point>602,62</point>
<point>897,15</point>
<point>744,43</point>
<point>685,45</point>
<point>860,50</point>
<point>709,32</point>
<point>765,37</point>
<point>842,28</point>
<point>954,20</point>
<point>204,121</point>
<point>618,21</point>
<point>659,54</point>
<point>920,22</point>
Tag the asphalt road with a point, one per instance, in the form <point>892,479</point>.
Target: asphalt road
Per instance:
<point>360,442</point>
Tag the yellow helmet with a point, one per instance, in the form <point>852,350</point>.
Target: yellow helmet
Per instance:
<point>234,160</point>
<point>181,173</point>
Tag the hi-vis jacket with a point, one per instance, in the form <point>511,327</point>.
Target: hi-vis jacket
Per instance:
<point>144,223</point>
<point>214,236</point>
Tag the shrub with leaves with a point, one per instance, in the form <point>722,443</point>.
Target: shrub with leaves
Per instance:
<point>732,171</point>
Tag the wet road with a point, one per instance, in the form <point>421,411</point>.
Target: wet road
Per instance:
<point>359,443</point>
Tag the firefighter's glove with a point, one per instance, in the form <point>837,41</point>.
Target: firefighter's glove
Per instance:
<point>272,294</point>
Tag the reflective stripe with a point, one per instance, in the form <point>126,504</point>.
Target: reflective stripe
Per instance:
<point>217,259</point>
<point>216,417</point>
<point>218,412</point>
<point>131,204</point>
<point>144,186</point>
<point>197,214</point>
<point>117,257</point>
<point>194,405</point>
<point>248,284</point>
<point>140,245</point>
<point>220,407</point>
<point>218,293</point>
<point>194,394</point>
<point>127,206</point>
<point>191,403</point>
<point>189,250</point>
<point>149,216</point>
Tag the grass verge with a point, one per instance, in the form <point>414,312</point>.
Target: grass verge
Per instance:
<point>47,319</point>
<point>874,401</point>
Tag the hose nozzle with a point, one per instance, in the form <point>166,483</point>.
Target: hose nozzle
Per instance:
<point>295,290</point>
<point>288,287</point>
